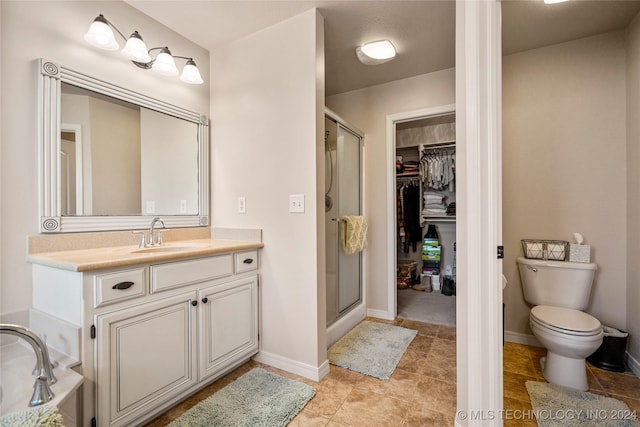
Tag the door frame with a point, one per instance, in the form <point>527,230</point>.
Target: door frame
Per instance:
<point>392,120</point>
<point>479,213</point>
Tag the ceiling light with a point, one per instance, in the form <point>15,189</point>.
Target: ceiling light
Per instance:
<point>101,35</point>
<point>377,52</point>
<point>554,1</point>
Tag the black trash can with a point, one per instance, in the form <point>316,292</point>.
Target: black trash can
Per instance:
<point>610,355</point>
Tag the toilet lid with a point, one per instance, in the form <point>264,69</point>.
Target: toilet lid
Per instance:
<point>566,319</point>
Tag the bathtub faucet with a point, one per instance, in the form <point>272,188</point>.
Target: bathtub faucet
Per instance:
<point>41,391</point>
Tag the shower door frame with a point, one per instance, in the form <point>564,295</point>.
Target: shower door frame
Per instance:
<point>353,314</point>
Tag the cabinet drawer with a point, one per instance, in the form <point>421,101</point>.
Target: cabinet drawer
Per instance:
<point>246,261</point>
<point>119,286</point>
<point>176,274</point>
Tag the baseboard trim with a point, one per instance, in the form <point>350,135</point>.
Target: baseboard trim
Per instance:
<point>379,314</point>
<point>293,366</point>
<point>634,364</point>
<point>343,325</point>
<point>520,338</point>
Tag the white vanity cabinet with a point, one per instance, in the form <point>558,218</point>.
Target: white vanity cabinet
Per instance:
<point>145,357</point>
<point>154,333</point>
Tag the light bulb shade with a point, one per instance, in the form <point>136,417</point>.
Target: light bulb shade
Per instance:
<point>135,49</point>
<point>100,35</point>
<point>191,74</point>
<point>376,52</point>
<point>164,63</point>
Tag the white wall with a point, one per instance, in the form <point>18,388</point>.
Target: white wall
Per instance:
<point>268,132</point>
<point>54,30</point>
<point>368,109</point>
<point>564,167</point>
<point>633,187</point>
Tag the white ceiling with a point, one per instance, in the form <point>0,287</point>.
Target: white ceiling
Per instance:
<point>422,31</point>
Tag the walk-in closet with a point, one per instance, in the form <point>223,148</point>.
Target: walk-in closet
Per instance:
<point>426,219</point>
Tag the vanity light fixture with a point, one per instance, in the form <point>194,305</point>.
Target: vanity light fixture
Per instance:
<point>101,35</point>
<point>554,1</point>
<point>377,52</point>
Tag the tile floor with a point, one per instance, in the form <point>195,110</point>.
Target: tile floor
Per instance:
<point>422,389</point>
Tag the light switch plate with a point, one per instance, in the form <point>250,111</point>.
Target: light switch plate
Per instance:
<point>151,206</point>
<point>296,203</point>
<point>242,205</point>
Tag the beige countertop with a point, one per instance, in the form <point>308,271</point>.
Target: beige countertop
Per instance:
<point>122,256</point>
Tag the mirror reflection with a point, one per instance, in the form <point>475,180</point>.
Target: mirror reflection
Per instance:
<point>118,158</point>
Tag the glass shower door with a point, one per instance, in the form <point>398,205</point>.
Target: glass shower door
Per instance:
<point>349,203</point>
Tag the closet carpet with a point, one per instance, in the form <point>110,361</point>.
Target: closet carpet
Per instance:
<point>427,307</point>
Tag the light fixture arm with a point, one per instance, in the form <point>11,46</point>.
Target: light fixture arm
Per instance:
<point>106,21</point>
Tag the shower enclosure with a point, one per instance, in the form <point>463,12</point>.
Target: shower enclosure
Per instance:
<point>343,196</point>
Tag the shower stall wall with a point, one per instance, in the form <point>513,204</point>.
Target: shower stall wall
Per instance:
<point>343,196</point>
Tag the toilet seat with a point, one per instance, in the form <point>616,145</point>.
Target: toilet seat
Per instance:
<point>565,320</point>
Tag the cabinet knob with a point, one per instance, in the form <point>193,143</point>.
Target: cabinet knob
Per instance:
<point>248,261</point>
<point>205,300</point>
<point>123,285</point>
<point>194,302</point>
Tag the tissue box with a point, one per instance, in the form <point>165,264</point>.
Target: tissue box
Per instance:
<point>579,253</point>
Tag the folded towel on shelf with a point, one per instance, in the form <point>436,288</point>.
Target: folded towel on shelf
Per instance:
<point>435,206</point>
<point>433,197</point>
<point>355,234</point>
<point>434,211</point>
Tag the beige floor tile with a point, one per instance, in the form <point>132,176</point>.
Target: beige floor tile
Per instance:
<point>447,332</point>
<point>330,395</point>
<point>402,385</point>
<point>424,329</point>
<point>440,362</point>
<point>307,419</point>
<point>514,386</point>
<point>618,383</point>
<point>436,395</point>
<point>421,344</point>
<point>517,359</point>
<point>365,409</point>
<point>411,361</point>
<point>422,417</point>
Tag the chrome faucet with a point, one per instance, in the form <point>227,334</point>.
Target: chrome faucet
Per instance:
<point>144,242</point>
<point>158,239</point>
<point>41,391</point>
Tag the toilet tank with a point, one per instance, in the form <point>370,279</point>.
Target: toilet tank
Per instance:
<point>556,283</point>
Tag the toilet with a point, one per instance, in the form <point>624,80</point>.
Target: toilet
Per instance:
<point>559,291</point>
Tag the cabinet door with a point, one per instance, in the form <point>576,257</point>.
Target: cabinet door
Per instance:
<point>228,322</point>
<point>145,357</point>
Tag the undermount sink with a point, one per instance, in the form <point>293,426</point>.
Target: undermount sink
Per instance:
<point>168,248</point>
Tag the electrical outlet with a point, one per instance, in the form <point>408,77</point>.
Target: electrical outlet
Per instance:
<point>151,207</point>
<point>183,206</point>
<point>242,205</point>
<point>296,203</point>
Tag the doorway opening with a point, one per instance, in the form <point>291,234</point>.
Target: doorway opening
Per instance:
<point>424,199</point>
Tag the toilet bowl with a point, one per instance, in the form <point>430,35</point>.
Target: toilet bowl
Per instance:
<point>559,291</point>
<point>569,336</point>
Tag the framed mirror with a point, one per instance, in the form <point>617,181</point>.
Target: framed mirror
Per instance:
<point>112,159</point>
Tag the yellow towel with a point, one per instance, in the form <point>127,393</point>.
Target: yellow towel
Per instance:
<point>355,234</point>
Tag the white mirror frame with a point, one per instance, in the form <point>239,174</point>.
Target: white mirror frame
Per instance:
<point>50,79</point>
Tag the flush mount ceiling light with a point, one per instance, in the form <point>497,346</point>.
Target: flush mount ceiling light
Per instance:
<point>375,53</point>
<point>554,1</point>
<point>101,35</point>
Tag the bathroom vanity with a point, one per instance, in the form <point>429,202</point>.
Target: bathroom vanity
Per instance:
<point>153,324</point>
